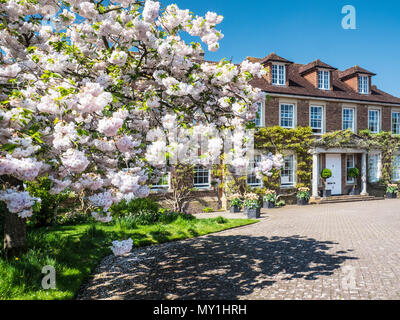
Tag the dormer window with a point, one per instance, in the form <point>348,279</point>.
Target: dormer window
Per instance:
<point>324,80</point>
<point>363,84</point>
<point>278,74</point>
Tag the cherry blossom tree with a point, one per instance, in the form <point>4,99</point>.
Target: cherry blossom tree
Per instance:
<point>97,95</point>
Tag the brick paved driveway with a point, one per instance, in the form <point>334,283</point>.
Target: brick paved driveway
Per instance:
<point>335,251</point>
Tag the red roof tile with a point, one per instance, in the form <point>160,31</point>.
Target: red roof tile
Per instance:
<point>299,86</point>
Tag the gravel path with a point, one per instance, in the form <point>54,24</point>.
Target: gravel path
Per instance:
<point>334,251</point>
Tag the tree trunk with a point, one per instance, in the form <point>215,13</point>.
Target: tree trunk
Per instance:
<point>14,234</point>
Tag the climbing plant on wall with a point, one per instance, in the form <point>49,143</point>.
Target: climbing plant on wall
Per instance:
<point>280,140</point>
<point>388,144</point>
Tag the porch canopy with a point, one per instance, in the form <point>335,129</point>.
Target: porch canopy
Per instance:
<point>340,142</point>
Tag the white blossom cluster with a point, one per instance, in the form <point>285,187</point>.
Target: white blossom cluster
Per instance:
<point>120,248</point>
<point>104,95</point>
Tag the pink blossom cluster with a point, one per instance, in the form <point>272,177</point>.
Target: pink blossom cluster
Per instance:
<point>19,202</point>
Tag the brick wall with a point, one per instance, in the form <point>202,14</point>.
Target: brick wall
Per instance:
<point>333,116</point>
<point>312,77</point>
<point>386,119</point>
<point>303,113</point>
<point>272,112</point>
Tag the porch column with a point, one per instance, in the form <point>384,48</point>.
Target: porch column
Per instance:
<point>364,175</point>
<point>315,176</point>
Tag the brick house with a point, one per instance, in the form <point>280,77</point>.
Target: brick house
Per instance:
<point>326,99</point>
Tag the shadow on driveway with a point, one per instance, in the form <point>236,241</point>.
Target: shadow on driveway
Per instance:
<point>216,267</point>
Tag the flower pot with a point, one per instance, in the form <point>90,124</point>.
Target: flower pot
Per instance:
<point>355,192</point>
<point>268,205</point>
<point>235,209</point>
<point>253,213</point>
<point>326,193</point>
<point>391,195</point>
<point>302,202</point>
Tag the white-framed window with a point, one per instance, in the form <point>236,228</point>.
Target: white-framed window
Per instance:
<point>396,168</point>
<point>201,178</point>
<point>363,84</point>
<point>259,120</point>
<point>374,167</point>
<point>252,180</point>
<point>324,81</point>
<point>396,122</point>
<point>374,120</point>
<point>278,74</point>
<point>350,163</point>
<point>162,184</point>
<point>317,119</point>
<point>287,115</point>
<point>288,171</point>
<point>348,119</point>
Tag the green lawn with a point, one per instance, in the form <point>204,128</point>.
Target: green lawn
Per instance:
<point>75,251</point>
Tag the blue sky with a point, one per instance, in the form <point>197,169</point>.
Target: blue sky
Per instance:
<point>305,30</point>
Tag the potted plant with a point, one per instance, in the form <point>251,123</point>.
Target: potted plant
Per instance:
<point>269,199</point>
<point>354,173</point>
<point>303,196</point>
<point>326,174</point>
<point>391,191</point>
<point>235,203</point>
<point>252,205</point>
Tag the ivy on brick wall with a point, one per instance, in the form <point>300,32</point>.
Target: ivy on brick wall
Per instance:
<point>388,144</point>
<point>280,140</point>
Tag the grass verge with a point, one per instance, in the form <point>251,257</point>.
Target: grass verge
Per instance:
<point>74,251</point>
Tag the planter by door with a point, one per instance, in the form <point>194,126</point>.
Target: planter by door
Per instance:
<point>235,209</point>
<point>355,192</point>
<point>391,195</point>
<point>253,213</point>
<point>268,205</point>
<point>326,193</point>
<point>302,202</point>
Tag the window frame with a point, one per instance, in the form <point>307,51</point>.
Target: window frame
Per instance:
<point>396,155</point>
<point>350,181</point>
<point>324,80</point>
<point>261,111</point>
<point>202,169</point>
<point>378,120</point>
<point>293,174</point>
<point>378,166</point>
<point>279,80</point>
<point>322,129</point>
<point>251,174</point>
<point>293,115</point>
<point>398,121</point>
<point>160,187</point>
<point>353,129</point>
<point>363,86</point>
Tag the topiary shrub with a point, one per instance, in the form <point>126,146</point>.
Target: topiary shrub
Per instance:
<point>326,174</point>
<point>353,173</point>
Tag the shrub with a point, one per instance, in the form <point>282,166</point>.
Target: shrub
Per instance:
<point>140,206</point>
<point>251,201</point>
<point>221,220</point>
<point>73,218</point>
<point>208,210</point>
<point>392,188</point>
<point>45,213</point>
<point>353,173</point>
<point>270,196</point>
<point>326,174</point>
<point>303,193</point>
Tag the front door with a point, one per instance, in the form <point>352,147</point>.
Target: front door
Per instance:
<point>334,183</point>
